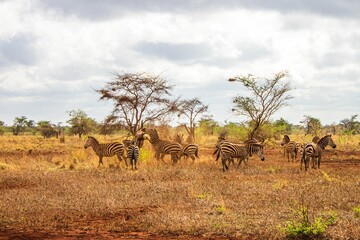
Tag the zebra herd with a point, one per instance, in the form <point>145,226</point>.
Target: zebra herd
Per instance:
<point>310,151</point>
<point>161,147</point>
<point>226,150</point>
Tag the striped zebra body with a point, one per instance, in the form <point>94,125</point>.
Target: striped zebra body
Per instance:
<point>229,151</point>
<point>312,151</point>
<point>106,149</point>
<point>133,153</point>
<point>163,147</point>
<point>188,150</point>
<point>290,148</point>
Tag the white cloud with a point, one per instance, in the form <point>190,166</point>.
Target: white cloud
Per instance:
<point>64,50</point>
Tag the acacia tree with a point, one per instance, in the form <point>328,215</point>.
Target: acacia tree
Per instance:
<point>138,98</point>
<point>191,109</point>
<point>266,97</point>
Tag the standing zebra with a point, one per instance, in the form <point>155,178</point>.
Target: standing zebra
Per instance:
<point>314,150</point>
<point>133,153</point>
<point>229,151</point>
<point>106,149</point>
<point>290,148</point>
<point>191,150</point>
<point>162,147</point>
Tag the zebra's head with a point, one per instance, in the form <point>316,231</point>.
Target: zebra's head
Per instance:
<point>260,152</point>
<point>330,141</point>
<point>90,141</point>
<point>258,149</point>
<point>285,140</point>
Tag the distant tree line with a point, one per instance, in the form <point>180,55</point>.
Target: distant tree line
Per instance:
<point>141,99</point>
<point>80,124</point>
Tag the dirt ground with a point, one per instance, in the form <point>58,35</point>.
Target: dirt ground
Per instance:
<point>88,226</point>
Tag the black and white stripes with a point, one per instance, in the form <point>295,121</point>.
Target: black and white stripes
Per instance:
<point>228,151</point>
<point>133,153</point>
<point>290,148</point>
<point>106,149</point>
<point>312,151</point>
<point>162,147</point>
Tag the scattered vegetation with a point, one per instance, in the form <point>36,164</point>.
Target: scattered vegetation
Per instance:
<point>57,188</point>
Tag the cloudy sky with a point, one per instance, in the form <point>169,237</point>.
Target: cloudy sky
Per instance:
<point>53,54</point>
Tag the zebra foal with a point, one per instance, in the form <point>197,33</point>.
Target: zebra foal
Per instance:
<point>106,149</point>
<point>312,151</point>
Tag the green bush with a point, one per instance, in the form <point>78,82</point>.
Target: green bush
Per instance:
<point>357,211</point>
<point>300,226</point>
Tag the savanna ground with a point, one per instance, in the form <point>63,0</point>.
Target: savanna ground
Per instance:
<point>52,190</point>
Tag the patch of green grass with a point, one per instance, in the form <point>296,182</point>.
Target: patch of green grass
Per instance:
<point>357,211</point>
<point>300,225</point>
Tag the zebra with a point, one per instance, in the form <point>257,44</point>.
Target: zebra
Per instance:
<point>106,149</point>
<point>301,146</point>
<point>314,150</point>
<point>133,153</point>
<point>290,148</point>
<point>191,149</point>
<point>229,151</point>
<point>162,147</point>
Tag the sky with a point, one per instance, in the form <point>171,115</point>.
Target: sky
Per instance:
<point>55,54</point>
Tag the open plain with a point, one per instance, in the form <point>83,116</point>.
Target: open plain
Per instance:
<point>53,190</point>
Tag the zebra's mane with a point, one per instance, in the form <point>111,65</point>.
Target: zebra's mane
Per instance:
<point>91,137</point>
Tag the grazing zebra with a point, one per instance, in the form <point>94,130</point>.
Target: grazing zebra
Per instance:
<point>191,150</point>
<point>162,147</point>
<point>314,150</point>
<point>290,148</point>
<point>229,151</point>
<point>133,153</point>
<point>106,149</point>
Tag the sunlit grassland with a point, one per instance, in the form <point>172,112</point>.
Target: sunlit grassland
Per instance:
<point>50,186</point>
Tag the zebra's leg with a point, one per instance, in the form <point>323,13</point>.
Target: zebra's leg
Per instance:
<point>246,166</point>
<point>319,160</point>
<point>162,155</point>
<point>223,161</point>
<point>239,162</point>
<point>288,155</point>
<point>135,163</point>
<point>307,163</point>
<point>100,161</point>
<point>122,157</point>
<point>314,162</point>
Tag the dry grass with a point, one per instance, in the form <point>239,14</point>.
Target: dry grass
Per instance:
<point>57,190</point>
